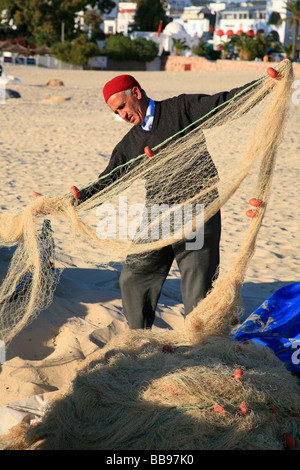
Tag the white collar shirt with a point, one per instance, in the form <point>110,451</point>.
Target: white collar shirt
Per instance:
<point>148,121</point>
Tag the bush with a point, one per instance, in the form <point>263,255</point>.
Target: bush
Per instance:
<point>200,49</point>
<point>146,50</point>
<point>78,52</point>
<point>121,47</point>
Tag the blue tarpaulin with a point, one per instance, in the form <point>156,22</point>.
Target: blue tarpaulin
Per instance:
<point>276,324</point>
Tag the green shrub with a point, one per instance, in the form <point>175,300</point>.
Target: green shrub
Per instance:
<point>146,50</point>
<point>78,52</point>
<point>121,48</point>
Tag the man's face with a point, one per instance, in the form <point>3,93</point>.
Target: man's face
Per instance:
<point>129,107</point>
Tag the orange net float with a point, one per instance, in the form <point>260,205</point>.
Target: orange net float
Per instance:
<point>272,72</point>
<point>167,348</point>
<point>288,440</point>
<point>75,192</point>
<point>149,152</point>
<point>244,408</point>
<point>251,213</point>
<point>238,374</point>
<point>218,408</point>
<point>255,202</point>
<point>171,390</point>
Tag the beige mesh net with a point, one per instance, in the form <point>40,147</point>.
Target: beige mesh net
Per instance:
<point>196,389</point>
<point>32,276</point>
<point>156,391</point>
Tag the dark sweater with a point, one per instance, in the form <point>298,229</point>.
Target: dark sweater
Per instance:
<point>171,116</point>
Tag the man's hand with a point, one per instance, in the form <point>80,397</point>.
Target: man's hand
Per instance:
<point>148,151</point>
<point>35,211</point>
<point>74,191</point>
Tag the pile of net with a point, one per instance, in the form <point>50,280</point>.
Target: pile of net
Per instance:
<point>196,389</point>
<point>177,172</point>
<point>156,391</point>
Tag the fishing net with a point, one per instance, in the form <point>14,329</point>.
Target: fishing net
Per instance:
<point>156,391</point>
<point>196,389</point>
<point>181,174</point>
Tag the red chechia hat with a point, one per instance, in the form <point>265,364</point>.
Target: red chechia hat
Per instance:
<point>119,83</point>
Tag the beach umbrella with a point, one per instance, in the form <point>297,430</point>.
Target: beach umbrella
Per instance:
<point>4,44</point>
<point>230,32</point>
<point>220,32</point>
<point>16,49</point>
<point>250,33</point>
<point>41,50</point>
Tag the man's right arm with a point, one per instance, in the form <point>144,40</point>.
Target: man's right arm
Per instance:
<point>112,172</point>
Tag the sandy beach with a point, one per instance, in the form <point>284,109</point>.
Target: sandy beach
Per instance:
<point>52,138</point>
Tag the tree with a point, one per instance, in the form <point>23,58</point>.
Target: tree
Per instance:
<point>200,49</point>
<point>41,21</point>
<point>287,49</point>
<point>93,20</point>
<point>250,47</point>
<point>149,13</point>
<point>293,8</point>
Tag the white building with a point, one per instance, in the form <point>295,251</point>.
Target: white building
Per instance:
<point>251,20</point>
<point>176,7</point>
<point>197,21</point>
<point>120,18</point>
<point>125,17</point>
<point>237,19</point>
<point>276,9</point>
<point>218,19</point>
<point>109,25</point>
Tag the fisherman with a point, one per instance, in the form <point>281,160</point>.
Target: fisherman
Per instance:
<point>152,123</point>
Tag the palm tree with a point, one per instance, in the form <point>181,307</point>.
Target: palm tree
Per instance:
<point>179,45</point>
<point>244,44</point>
<point>225,46</point>
<point>286,49</point>
<point>293,7</point>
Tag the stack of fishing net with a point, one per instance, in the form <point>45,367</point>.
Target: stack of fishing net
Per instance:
<point>156,391</point>
<point>172,390</point>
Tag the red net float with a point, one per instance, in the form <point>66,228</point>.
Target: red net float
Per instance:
<point>149,152</point>
<point>75,192</point>
<point>218,408</point>
<point>244,408</point>
<point>238,374</point>
<point>288,440</point>
<point>255,202</point>
<point>272,72</point>
<point>251,213</point>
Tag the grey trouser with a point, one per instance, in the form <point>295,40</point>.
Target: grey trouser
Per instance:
<point>141,282</point>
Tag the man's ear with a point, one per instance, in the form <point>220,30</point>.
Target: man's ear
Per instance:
<point>137,92</point>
